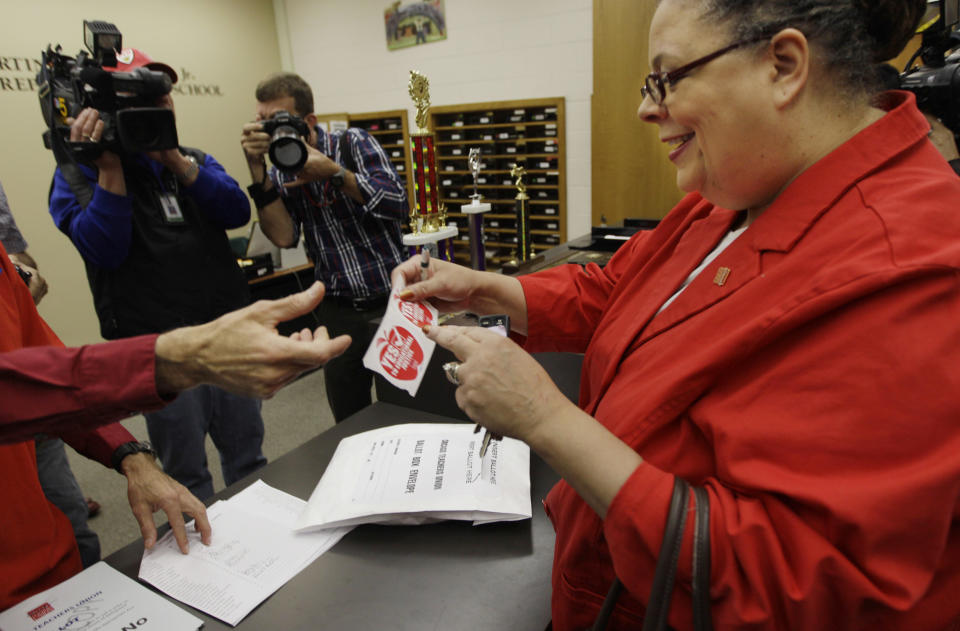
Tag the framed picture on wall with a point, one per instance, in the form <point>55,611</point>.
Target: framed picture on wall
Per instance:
<point>414,23</point>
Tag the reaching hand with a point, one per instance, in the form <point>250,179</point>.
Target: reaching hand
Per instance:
<point>149,489</point>
<point>242,352</point>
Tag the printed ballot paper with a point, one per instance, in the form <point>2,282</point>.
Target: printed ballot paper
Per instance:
<point>417,473</point>
<point>98,598</point>
<point>400,351</point>
<point>254,552</point>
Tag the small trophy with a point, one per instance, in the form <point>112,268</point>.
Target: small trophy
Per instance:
<point>427,215</point>
<point>475,209</point>
<point>524,246</point>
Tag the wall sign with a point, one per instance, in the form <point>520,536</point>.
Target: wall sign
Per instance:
<point>18,73</point>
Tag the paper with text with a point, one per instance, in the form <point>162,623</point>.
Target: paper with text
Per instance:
<point>420,472</point>
<point>98,599</point>
<point>254,552</point>
<point>400,351</point>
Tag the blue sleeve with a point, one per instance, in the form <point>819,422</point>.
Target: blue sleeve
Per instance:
<point>381,187</point>
<point>103,230</point>
<point>219,196</point>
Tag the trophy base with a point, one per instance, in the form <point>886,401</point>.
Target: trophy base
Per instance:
<point>475,207</point>
<point>446,232</point>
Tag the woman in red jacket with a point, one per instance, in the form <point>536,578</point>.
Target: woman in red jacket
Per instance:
<point>786,338</point>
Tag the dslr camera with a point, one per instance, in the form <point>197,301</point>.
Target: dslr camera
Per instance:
<point>287,150</point>
<point>126,100</point>
<point>936,83</point>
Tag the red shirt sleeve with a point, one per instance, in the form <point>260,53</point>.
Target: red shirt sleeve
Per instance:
<point>68,391</point>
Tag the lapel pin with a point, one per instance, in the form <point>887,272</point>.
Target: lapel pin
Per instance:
<point>721,276</point>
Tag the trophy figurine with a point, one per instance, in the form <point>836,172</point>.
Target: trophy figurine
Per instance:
<point>524,246</point>
<point>475,209</point>
<point>427,215</point>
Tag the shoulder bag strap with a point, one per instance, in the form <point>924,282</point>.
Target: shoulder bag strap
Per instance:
<point>661,592</point>
<point>658,605</point>
<point>701,561</point>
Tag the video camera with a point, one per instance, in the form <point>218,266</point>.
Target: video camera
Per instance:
<point>287,150</point>
<point>126,100</point>
<point>936,84</point>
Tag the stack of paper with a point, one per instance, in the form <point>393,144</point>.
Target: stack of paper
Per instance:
<point>254,552</point>
<point>99,598</point>
<point>420,472</point>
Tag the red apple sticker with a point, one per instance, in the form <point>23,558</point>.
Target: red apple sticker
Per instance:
<point>416,313</point>
<point>400,356</point>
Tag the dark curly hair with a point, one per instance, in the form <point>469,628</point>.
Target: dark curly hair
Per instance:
<point>851,36</point>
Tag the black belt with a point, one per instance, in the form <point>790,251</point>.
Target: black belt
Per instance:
<point>359,304</point>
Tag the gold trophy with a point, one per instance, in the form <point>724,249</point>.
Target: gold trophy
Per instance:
<point>524,246</point>
<point>428,216</point>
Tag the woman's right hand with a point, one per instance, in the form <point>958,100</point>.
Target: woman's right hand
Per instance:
<point>452,288</point>
<point>448,286</point>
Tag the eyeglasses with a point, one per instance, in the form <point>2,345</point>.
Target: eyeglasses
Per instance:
<point>655,84</point>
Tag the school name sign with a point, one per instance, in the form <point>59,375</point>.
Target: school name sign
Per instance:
<point>19,74</point>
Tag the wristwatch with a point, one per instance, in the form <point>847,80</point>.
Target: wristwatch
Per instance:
<point>127,449</point>
<point>337,179</point>
<point>191,171</point>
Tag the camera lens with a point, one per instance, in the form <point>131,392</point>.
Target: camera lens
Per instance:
<point>287,151</point>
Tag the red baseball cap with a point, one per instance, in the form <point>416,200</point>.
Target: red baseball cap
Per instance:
<point>130,58</point>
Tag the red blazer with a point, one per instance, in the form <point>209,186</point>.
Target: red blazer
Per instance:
<point>815,393</point>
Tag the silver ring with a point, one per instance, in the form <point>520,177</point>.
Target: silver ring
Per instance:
<point>88,136</point>
<point>451,369</point>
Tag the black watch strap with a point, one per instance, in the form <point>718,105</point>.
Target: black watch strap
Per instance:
<point>261,197</point>
<point>127,449</point>
<point>338,179</point>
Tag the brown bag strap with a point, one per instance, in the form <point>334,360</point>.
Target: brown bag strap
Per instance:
<point>701,561</point>
<point>664,577</point>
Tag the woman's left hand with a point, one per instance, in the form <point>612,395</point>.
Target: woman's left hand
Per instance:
<point>501,386</point>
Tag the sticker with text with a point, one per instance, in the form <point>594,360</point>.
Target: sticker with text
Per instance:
<point>400,350</point>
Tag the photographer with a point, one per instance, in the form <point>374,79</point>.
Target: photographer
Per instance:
<point>157,256</point>
<point>350,203</point>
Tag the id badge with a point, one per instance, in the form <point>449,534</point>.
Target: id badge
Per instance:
<point>171,208</point>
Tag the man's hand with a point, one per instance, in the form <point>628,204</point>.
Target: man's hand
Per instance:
<point>37,284</point>
<point>255,143</point>
<point>149,489</point>
<point>242,352</point>
<point>176,163</point>
<point>317,169</point>
<point>88,128</point>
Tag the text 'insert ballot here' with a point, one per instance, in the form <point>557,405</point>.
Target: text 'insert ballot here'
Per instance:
<point>421,472</point>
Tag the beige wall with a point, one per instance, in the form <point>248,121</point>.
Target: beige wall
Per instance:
<point>496,50</point>
<point>225,45</point>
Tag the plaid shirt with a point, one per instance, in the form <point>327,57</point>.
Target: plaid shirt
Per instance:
<point>353,246</point>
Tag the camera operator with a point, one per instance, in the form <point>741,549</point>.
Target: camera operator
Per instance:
<point>942,137</point>
<point>157,256</point>
<point>350,203</point>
